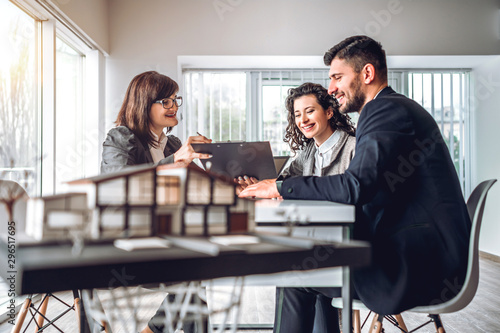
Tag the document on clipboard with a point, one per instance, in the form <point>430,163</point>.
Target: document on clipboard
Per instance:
<point>233,159</point>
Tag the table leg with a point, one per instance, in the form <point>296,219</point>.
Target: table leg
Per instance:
<point>346,300</point>
<point>346,289</point>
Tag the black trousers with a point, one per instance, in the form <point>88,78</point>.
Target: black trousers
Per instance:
<point>306,310</point>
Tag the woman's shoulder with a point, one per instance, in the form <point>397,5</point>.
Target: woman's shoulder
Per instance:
<point>305,153</point>
<point>348,140</point>
<point>173,140</point>
<point>121,135</point>
<point>351,139</point>
<point>120,131</point>
<point>307,148</point>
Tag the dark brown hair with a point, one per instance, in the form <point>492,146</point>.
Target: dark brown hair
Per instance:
<point>295,138</point>
<point>142,92</point>
<point>358,51</point>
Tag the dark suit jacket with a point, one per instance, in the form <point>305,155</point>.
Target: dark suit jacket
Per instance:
<point>409,206</point>
<point>123,148</point>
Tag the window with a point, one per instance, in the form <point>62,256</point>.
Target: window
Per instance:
<point>50,104</point>
<point>19,106</point>
<point>445,95</point>
<point>217,104</point>
<point>270,89</point>
<point>249,105</point>
<point>70,122</point>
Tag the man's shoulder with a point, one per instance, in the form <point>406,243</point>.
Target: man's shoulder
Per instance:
<point>390,102</point>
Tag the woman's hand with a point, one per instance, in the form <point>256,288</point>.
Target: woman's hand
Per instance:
<point>243,182</point>
<point>186,152</point>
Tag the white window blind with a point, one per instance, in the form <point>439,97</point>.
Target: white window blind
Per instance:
<point>445,95</point>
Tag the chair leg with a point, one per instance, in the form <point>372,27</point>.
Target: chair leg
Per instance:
<point>76,304</point>
<point>356,321</point>
<point>437,322</point>
<point>401,322</point>
<point>42,311</point>
<point>22,315</point>
<point>376,326</point>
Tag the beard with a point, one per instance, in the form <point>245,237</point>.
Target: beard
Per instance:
<point>356,103</point>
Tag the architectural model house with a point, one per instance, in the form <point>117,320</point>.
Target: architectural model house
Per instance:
<point>53,217</point>
<point>206,203</point>
<point>121,204</point>
<point>170,200</point>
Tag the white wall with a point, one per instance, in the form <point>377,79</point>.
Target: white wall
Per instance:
<point>486,150</point>
<point>91,16</point>
<point>151,34</point>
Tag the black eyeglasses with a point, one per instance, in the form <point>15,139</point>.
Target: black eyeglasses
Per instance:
<point>168,102</point>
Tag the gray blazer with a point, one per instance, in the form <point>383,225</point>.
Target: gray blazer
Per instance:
<point>123,148</point>
<point>303,163</point>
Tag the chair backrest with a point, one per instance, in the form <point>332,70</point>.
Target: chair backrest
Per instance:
<point>9,188</point>
<point>475,207</point>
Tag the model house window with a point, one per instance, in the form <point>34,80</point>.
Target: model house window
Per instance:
<point>168,190</point>
<point>249,105</point>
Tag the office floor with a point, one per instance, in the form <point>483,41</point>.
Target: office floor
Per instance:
<point>258,307</point>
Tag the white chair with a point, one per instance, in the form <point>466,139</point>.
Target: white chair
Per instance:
<point>10,191</point>
<point>475,207</point>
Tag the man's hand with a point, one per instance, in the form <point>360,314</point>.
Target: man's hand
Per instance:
<point>243,182</point>
<point>265,189</point>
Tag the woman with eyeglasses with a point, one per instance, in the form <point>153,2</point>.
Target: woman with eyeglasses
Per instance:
<point>148,112</point>
<point>150,106</point>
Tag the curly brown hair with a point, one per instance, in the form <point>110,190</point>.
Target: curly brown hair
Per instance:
<point>293,136</point>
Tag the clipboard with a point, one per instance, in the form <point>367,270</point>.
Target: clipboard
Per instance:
<point>233,159</point>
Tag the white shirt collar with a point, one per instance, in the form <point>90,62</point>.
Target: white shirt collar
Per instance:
<point>323,154</point>
<point>329,143</point>
<point>162,140</point>
<point>157,153</point>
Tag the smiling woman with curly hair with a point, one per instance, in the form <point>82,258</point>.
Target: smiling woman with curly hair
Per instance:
<point>318,134</point>
<point>323,142</point>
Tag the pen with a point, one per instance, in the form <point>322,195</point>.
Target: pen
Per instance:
<point>199,133</point>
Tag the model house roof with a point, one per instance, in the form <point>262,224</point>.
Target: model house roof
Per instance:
<point>193,167</point>
<point>129,171</point>
<point>135,170</point>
